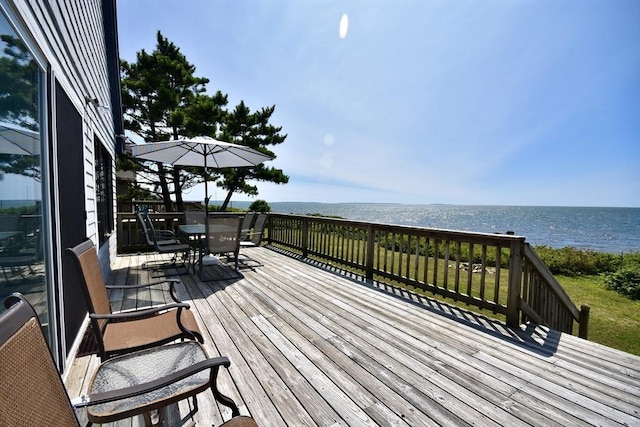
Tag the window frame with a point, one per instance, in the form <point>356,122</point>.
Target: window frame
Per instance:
<point>104,191</point>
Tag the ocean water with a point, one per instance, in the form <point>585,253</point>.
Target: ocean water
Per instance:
<point>612,230</point>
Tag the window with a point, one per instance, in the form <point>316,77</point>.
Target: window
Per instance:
<point>23,228</point>
<point>104,191</point>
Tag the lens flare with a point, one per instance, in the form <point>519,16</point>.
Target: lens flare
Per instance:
<point>344,26</point>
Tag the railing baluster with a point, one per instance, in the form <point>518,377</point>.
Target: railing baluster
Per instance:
<point>456,285</point>
<point>445,279</point>
<point>436,258</point>
<point>416,266</point>
<point>426,261</point>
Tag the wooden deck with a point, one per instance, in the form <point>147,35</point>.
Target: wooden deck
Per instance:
<point>312,347</point>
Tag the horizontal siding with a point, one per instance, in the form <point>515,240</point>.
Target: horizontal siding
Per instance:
<point>70,36</point>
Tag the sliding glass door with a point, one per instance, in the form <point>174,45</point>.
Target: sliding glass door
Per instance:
<point>22,179</point>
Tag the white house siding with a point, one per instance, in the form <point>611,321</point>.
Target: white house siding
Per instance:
<point>69,34</point>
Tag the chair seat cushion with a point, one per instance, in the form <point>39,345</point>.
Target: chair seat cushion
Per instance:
<point>173,247</point>
<point>124,336</point>
<point>144,366</point>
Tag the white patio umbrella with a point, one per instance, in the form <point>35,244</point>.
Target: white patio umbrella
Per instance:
<point>200,151</point>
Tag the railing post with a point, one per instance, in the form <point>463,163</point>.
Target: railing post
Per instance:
<point>369,256</point>
<point>516,250</point>
<point>269,228</point>
<point>583,329</point>
<point>305,237</point>
<point>120,236</point>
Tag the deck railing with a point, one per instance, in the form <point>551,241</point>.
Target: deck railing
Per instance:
<point>497,272</point>
<point>155,205</point>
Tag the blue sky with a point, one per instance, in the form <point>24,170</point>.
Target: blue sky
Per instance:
<point>460,102</point>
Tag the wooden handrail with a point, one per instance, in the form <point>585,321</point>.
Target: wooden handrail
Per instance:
<point>554,286</point>
<point>498,272</point>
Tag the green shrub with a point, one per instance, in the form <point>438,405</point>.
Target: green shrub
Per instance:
<point>216,208</point>
<point>22,210</point>
<point>571,262</point>
<point>625,281</point>
<point>260,206</point>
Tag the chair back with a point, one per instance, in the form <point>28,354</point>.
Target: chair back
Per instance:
<point>223,233</point>
<point>85,259</point>
<point>247,222</point>
<point>258,229</point>
<point>149,235</point>
<point>31,390</point>
<point>150,231</point>
<point>194,217</point>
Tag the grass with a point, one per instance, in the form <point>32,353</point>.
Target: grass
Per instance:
<point>614,320</point>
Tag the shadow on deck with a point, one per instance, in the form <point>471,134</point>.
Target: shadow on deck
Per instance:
<point>312,345</point>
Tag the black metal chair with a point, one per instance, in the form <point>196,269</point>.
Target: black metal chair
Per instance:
<point>164,242</point>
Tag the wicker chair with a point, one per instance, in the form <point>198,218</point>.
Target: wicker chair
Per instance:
<point>33,394</point>
<point>118,333</point>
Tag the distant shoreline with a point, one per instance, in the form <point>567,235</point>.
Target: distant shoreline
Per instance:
<point>601,229</point>
<point>248,202</point>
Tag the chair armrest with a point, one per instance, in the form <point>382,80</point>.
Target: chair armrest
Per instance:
<point>124,393</point>
<point>171,282</point>
<point>138,313</point>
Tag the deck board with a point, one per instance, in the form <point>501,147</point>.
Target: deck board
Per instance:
<point>309,346</point>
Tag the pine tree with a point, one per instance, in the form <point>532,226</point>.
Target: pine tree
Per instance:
<point>253,130</point>
<point>161,100</point>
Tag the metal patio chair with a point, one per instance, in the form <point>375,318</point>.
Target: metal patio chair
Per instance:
<point>253,239</point>
<point>164,242</point>
<point>33,394</point>
<point>222,238</point>
<point>247,223</point>
<point>124,332</point>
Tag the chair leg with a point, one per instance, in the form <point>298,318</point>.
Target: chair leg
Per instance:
<point>225,400</point>
<point>154,418</point>
<point>169,265</point>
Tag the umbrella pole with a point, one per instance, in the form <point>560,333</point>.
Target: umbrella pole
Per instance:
<point>206,206</point>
